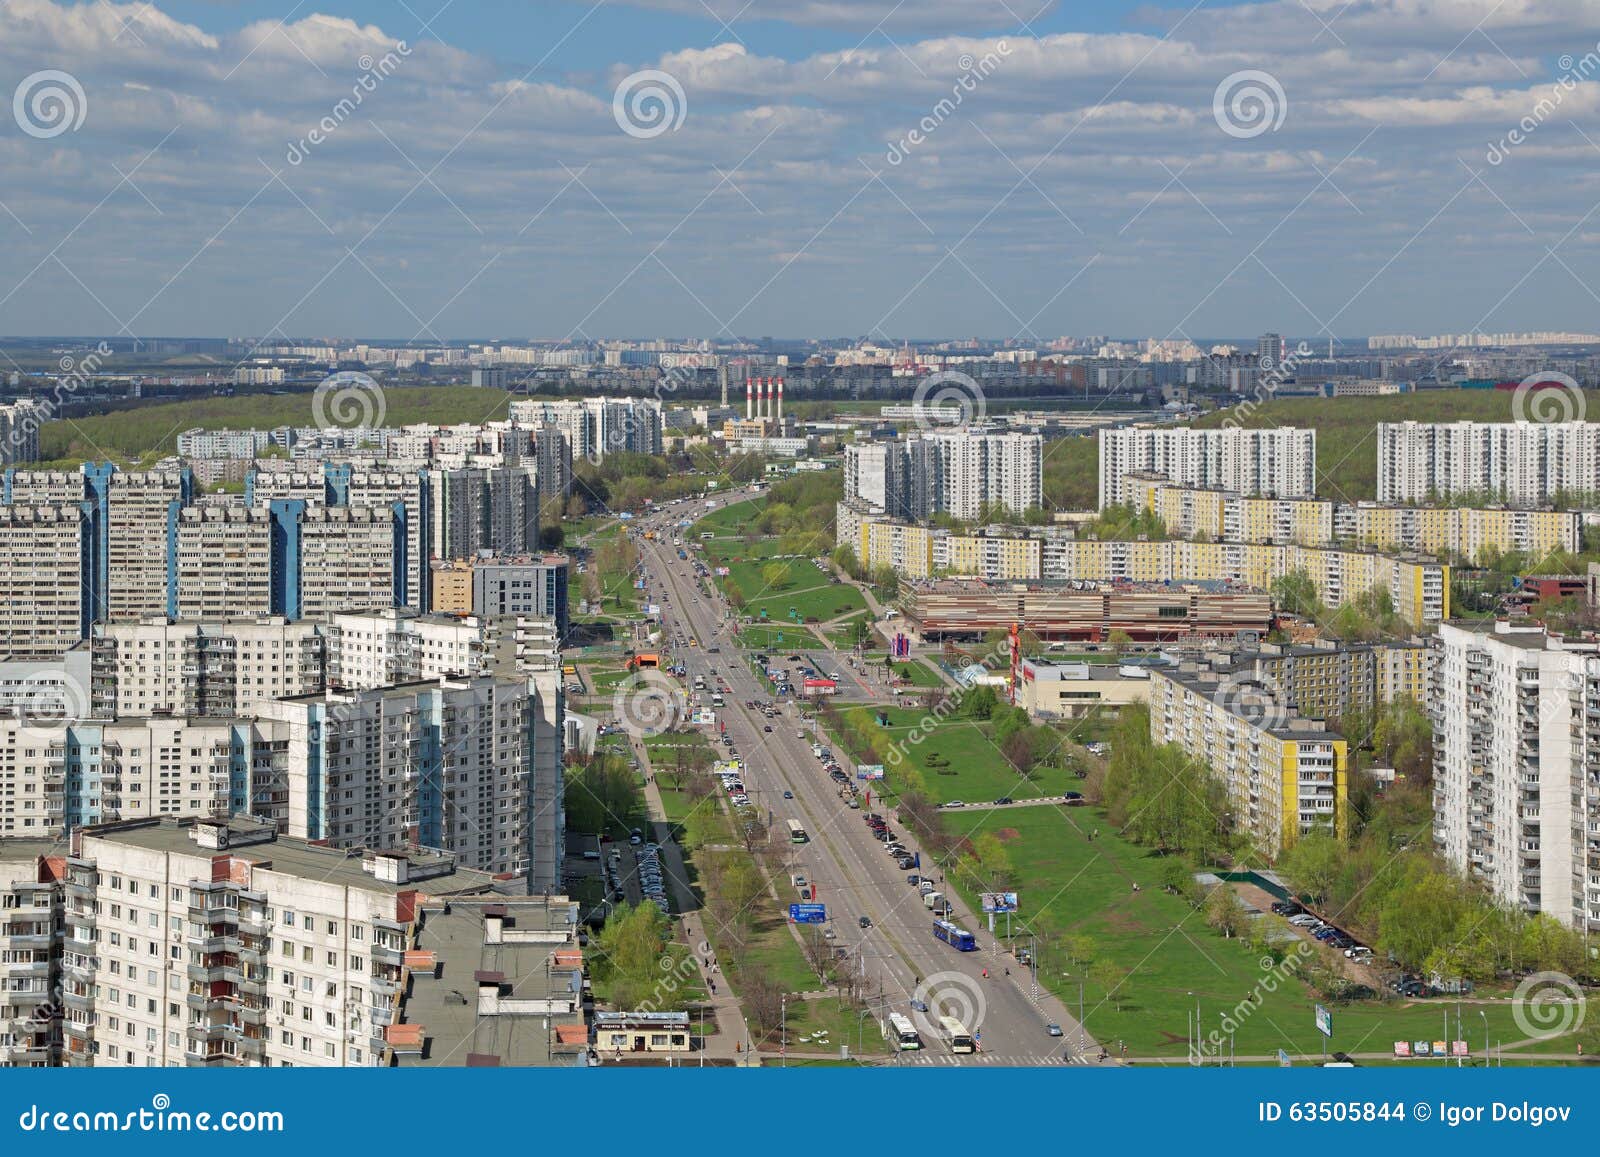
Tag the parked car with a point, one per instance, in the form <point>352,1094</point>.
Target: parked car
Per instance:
<point>956,803</point>
<point>1003,800</point>
<point>865,922</point>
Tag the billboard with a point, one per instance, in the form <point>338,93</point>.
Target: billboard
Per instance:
<point>1324,1021</point>
<point>808,913</point>
<point>999,901</point>
<point>869,771</point>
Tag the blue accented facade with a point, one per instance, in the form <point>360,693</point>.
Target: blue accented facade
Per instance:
<point>286,515</point>
<point>97,484</point>
<point>430,768</point>
<point>316,759</point>
<point>336,476</point>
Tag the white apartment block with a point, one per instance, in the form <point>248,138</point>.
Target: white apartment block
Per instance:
<point>218,667</point>
<point>984,469</point>
<point>224,562</point>
<point>200,443</point>
<point>347,559</point>
<point>31,874</point>
<point>595,427</point>
<point>43,487</point>
<point>1527,463</point>
<point>1279,462</point>
<point>142,510</point>
<point>1516,771</point>
<point>56,775</point>
<point>219,944</point>
<point>44,566</point>
<point>378,649</point>
<point>449,764</point>
<point>963,473</point>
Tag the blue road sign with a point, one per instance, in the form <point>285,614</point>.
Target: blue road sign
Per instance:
<point>808,913</point>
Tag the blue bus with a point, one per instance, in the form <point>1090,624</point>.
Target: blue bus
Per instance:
<point>957,938</point>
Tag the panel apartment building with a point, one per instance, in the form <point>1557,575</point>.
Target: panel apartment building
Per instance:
<point>1279,462</point>
<point>962,473</point>
<point>205,944</point>
<point>1419,588</point>
<point>1284,775</point>
<point>1523,463</point>
<point>1516,774</point>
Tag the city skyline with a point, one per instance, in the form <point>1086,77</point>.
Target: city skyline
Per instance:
<point>817,168</point>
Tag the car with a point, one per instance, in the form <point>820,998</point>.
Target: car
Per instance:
<point>1305,919</point>
<point>1052,1029</point>
<point>1287,908</point>
<point>956,803</point>
<point>865,922</point>
<point>906,862</point>
<point>788,795</point>
<point>1358,952</point>
<point>1072,796</point>
<point>767,729</point>
<point>919,1005</point>
<point>1003,800</point>
<point>805,893</point>
<point>829,934</point>
<point>913,879</point>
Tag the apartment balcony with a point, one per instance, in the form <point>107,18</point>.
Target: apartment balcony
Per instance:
<point>209,1056</point>
<point>387,953</point>
<point>213,940</point>
<point>25,1056</point>
<point>78,968</point>
<point>210,909</point>
<point>26,969</point>
<point>225,972</point>
<point>251,1014</point>
<point>12,939</point>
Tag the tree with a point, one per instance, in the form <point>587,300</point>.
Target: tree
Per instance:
<point>1296,594</point>
<point>1225,912</point>
<point>1018,750</point>
<point>1120,641</point>
<point>1108,976</point>
<point>1313,864</point>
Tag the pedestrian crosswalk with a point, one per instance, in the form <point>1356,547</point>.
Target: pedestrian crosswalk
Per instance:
<point>949,1060</point>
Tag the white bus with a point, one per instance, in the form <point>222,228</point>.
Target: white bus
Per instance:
<point>900,1032</point>
<point>956,1035</point>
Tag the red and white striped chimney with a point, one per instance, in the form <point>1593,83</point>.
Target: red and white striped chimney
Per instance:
<point>780,401</point>
<point>749,398</point>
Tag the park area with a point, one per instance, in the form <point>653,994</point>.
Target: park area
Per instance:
<point>1147,959</point>
<point>955,759</point>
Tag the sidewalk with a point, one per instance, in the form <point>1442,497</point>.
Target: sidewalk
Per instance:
<point>731,1030</point>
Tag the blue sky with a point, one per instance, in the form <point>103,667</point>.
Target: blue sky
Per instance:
<point>826,168</point>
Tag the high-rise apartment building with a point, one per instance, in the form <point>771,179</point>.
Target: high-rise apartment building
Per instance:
<point>1525,463</point>
<point>964,473</point>
<point>220,667</point>
<point>1278,462</point>
<point>1516,766</point>
<point>46,562</point>
<point>221,562</point>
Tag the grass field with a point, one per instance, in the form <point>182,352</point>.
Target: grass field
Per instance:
<point>958,760</point>
<point>1171,960</point>
<point>1347,449</point>
<point>801,590</point>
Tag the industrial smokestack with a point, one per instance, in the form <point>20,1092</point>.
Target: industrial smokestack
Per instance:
<point>749,399</point>
<point>780,401</point>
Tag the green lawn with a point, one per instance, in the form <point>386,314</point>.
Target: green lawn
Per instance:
<point>843,635</point>
<point>1171,959</point>
<point>801,590</point>
<point>957,759</point>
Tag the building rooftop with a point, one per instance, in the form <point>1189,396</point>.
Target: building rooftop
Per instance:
<point>436,873</point>
<point>533,976</point>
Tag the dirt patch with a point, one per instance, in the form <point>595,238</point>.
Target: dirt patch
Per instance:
<point>1006,834</point>
<point>1121,920</point>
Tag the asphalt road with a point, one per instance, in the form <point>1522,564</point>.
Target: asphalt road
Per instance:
<point>849,868</point>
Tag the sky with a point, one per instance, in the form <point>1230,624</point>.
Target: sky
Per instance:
<point>503,169</point>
